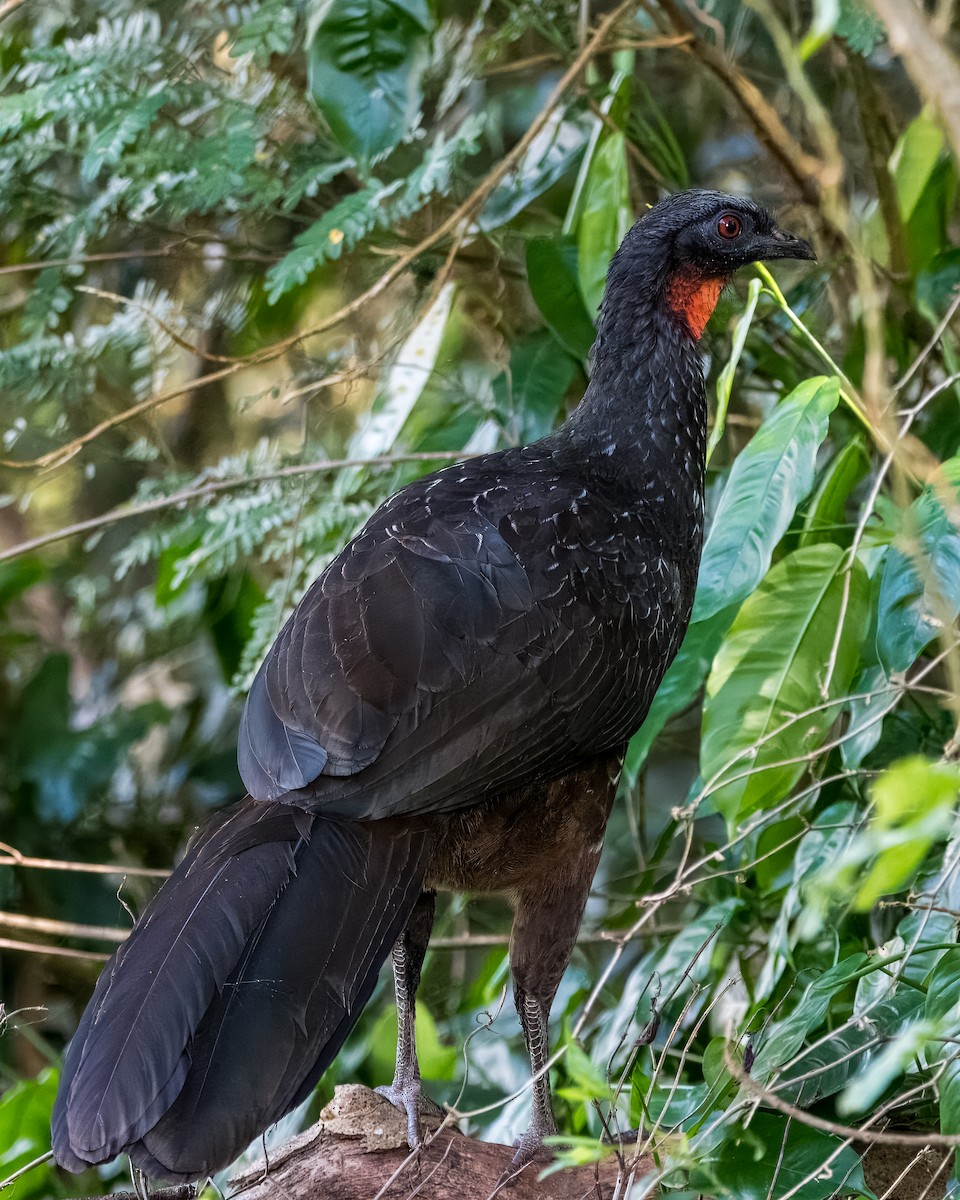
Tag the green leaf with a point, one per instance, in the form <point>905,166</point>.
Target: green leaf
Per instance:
<point>773,1157</point>
<point>943,989</point>
<point>687,957</point>
<point>552,275</point>
<point>338,230</point>
<point>25,1134</point>
<point>769,478</point>
<point>268,29</point>
<point>365,60</point>
<point>914,159</point>
<point>605,216</point>
<point>404,382</point>
<point>826,14</point>
<point>437,1061</point>
<point>920,584</point>
<point>865,1088</point>
<point>827,510</point>
<point>530,397</point>
<point>793,648</point>
<point>860,28</point>
<point>913,808</point>
<point>948,1086</point>
<point>872,695</point>
<point>784,1038</point>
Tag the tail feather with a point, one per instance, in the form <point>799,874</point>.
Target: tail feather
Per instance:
<point>236,989</point>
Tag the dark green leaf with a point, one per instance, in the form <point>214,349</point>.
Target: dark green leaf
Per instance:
<point>552,275</point>
<point>773,1157</point>
<point>365,59</point>
<point>530,397</point>
<point>769,478</point>
<point>785,1037</point>
<point>768,696</point>
<point>826,513</point>
<point>943,989</point>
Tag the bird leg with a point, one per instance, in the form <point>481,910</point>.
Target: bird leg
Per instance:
<point>546,921</point>
<point>408,954</point>
<point>534,1017</point>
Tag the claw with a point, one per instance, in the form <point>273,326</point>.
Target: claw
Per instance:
<point>530,1145</point>
<point>412,1100</point>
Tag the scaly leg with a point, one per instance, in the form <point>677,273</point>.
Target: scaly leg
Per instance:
<point>547,918</point>
<point>408,955</point>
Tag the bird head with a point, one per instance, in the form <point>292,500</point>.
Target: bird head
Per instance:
<point>694,241</point>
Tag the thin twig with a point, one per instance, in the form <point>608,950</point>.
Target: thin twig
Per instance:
<point>10,856</point>
<point>99,933</point>
<point>215,486</point>
<point>51,951</point>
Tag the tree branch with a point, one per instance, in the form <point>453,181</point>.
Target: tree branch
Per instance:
<point>358,1151</point>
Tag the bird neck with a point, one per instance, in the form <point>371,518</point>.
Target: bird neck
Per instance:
<point>643,418</point>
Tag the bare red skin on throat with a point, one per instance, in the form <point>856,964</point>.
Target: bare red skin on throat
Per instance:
<point>693,297</point>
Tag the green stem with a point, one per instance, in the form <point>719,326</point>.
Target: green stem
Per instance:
<point>847,391</point>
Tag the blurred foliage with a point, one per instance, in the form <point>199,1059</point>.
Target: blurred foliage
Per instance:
<point>249,248</point>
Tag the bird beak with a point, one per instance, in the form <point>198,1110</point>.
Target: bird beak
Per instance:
<point>784,245</point>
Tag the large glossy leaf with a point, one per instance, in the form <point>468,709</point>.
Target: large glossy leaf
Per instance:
<point>530,395</point>
<point>552,276</point>
<point>365,60</point>
<point>605,216</point>
<point>770,477</point>
<point>772,1157</point>
<point>792,649</point>
<point>920,584</point>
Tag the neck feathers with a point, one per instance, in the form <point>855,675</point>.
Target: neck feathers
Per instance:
<point>643,418</point>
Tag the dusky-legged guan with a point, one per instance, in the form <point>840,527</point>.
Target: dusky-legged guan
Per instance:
<point>446,708</point>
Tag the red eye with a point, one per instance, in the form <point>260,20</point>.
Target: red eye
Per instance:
<point>729,226</point>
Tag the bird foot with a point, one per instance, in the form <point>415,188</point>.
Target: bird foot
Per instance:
<point>530,1145</point>
<point>411,1099</point>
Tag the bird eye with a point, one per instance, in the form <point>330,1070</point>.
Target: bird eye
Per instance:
<point>729,226</point>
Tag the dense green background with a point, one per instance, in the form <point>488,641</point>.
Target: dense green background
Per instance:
<point>241,241</point>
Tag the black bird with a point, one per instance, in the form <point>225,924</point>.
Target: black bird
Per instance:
<point>446,708</point>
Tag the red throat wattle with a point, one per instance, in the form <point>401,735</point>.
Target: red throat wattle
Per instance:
<point>693,297</point>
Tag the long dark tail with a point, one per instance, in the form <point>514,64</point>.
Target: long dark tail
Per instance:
<point>236,988</point>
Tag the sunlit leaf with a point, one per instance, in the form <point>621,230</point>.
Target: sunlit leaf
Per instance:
<point>769,478</point>
<point>791,653</point>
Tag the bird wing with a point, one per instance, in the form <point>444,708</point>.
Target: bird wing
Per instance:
<point>454,646</point>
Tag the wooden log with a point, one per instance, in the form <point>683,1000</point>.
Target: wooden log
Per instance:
<point>358,1151</point>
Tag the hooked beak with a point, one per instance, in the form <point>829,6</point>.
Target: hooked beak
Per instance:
<point>784,245</point>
